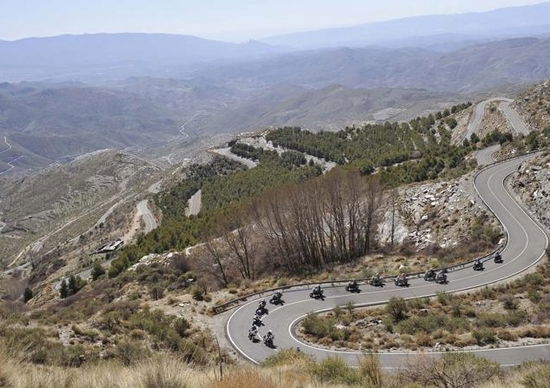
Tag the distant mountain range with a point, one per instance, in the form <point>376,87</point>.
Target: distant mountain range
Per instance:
<point>470,69</point>
<point>427,31</point>
<point>73,94</point>
<point>96,56</point>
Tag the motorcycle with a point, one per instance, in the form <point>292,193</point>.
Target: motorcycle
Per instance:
<point>498,258</point>
<point>262,310</point>
<point>441,278</point>
<point>352,287</point>
<point>376,282</point>
<point>257,321</point>
<point>268,341</point>
<point>253,336</point>
<point>478,266</point>
<point>401,281</point>
<point>430,276</point>
<point>277,298</point>
<point>317,293</point>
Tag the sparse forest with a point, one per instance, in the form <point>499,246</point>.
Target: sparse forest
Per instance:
<point>307,221</point>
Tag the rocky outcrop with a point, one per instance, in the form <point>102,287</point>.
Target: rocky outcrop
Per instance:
<point>532,185</point>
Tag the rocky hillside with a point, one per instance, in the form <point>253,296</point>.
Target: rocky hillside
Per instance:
<point>532,185</point>
<point>534,105</point>
<point>35,207</point>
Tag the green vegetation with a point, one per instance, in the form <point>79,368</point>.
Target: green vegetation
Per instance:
<point>453,321</point>
<point>225,185</point>
<point>406,152</point>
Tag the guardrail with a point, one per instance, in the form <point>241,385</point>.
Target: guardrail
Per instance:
<point>335,283</point>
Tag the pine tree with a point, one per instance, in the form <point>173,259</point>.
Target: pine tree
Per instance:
<point>73,287</point>
<point>63,290</point>
<point>27,295</point>
<point>97,270</point>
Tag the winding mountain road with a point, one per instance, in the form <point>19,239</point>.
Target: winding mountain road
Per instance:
<point>525,247</point>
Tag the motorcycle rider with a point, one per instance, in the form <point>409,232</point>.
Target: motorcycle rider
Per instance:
<point>352,285</point>
<point>262,304</point>
<point>376,280</point>
<point>401,279</point>
<point>253,332</point>
<point>317,290</point>
<point>269,337</point>
<point>478,264</point>
<point>430,274</point>
<point>256,320</point>
<point>441,276</point>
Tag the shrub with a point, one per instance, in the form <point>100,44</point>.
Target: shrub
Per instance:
<point>397,309</point>
<point>423,339</point>
<point>534,279</point>
<point>533,295</point>
<point>181,325</point>
<point>507,335</point>
<point>487,293</point>
<point>97,271</point>
<point>156,292</point>
<point>484,336</point>
<point>444,298</point>
<point>321,327</point>
<point>451,370</point>
<point>287,357</point>
<point>335,370</point>
<point>431,323</point>
<point>538,378</point>
<point>129,352</point>
<point>509,302</point>
<point>197,294</point>
<point>371,371</point>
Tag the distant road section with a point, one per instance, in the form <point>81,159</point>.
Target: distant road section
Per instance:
<point>194,204</point>
<point>230,155</point>
<point>514,119</point>
<point>147,217</point>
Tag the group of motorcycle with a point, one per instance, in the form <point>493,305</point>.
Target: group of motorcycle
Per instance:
<point>262,310</point>
<point>401,280</point>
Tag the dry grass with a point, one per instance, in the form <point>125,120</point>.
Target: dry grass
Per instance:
<point>165,371</point>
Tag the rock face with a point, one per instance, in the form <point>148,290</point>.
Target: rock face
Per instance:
<point>534,106</point>
<point>435,213</point>
<point>532,185</point>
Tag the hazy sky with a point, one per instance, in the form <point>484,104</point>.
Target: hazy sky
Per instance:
<point>218,19</point>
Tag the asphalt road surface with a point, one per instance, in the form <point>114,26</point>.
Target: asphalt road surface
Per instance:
<point>513,117</point>
<point>525,247</point>
<point>147,216</point>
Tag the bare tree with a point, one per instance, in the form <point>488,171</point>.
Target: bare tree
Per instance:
<point>213,261</point>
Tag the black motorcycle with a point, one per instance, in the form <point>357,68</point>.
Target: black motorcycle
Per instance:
<point>253,336</point>
<point>441,278</point>
<point>257,321</point>
<point>268,341</point>
<point>478,266</point>
<point>353,287</point>
<point>401,281</point>
<point>317,293</point>
<point>376,282</point>
<point>277,298</point>
<point>498,258</point>
<point>430,276</point>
